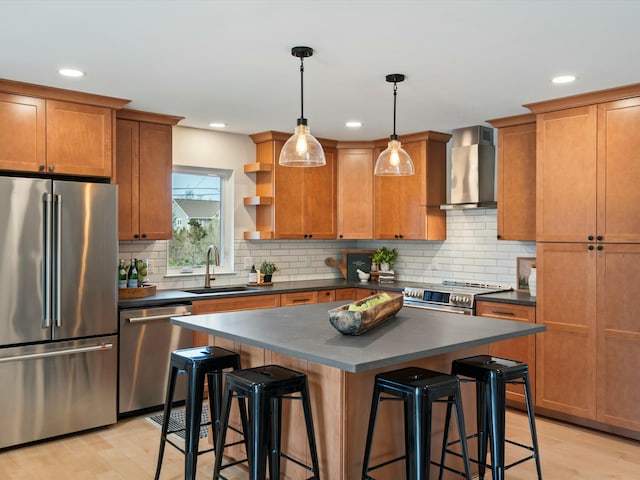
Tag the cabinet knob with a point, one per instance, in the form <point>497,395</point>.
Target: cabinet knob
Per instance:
<point>600,247</point>
<point>52,168</point>
<point>600,238</point>
<point>135,235</point>
<point>590,247</point>
<point>310,235</point>
<point>41,168</point>
<point>590,238</point>
<point>340,236</point>
<point>144,235</point>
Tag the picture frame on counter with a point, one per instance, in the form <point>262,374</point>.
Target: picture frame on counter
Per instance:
<point>523,270</point>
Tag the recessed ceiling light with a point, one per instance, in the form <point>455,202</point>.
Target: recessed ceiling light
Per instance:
<point>353,124</point>
<point>564,79</point>
<point>217,125</point>
<point>71,72</point>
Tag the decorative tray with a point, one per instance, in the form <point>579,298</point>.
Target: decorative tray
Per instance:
<point>138,292</point>
<point>357,322</point>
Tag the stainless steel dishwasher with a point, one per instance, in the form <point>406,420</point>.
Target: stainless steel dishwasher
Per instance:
<point>147,339</point>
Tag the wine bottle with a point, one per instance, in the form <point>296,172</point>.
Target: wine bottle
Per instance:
<point>132,279</point>
<point>122,275</point>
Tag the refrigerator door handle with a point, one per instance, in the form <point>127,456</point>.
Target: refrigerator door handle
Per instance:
<point>155,317</point>
<point>46,261</point>
<point>57,259</point>
<point>57,353</point>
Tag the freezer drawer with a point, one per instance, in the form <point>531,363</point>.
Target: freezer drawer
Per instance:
<point>147,339</point>
<point>57,388</point>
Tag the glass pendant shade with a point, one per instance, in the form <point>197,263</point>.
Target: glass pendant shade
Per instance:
<point>302,149</point>
<point>394,161</point>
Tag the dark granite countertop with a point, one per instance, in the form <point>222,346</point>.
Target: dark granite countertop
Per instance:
<point>305,332</point>
<point>513,296</point>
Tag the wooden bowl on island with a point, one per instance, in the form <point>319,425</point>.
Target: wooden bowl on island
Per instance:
<point>357,322</point>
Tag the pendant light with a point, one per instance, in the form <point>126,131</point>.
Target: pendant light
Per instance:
<point>302,149</point>
<point>394,160</point>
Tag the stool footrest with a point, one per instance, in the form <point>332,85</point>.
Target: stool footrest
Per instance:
<point>388,462</point>
<point>297,462</point>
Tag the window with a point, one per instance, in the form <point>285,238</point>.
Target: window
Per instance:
<point>202,215</point>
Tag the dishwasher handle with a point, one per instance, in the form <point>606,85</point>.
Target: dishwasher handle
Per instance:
<point>155,318</point>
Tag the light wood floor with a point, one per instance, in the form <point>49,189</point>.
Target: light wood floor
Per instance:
<point>127,451</point>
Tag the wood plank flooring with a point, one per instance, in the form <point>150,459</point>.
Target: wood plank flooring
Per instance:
<point>128,451</point>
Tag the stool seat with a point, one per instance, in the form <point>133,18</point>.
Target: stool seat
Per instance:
<point>264,388</point>
<point>418,388</point>
<point>197,363</point>
<point>491,375</point>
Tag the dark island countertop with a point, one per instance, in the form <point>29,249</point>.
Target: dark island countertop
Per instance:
<point>305,332</point>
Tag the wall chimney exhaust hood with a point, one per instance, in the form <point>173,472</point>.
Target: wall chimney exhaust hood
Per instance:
<point>472,170</point>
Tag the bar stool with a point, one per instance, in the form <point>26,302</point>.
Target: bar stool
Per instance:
<point>265,387</point>
<point>418,389</point>
<point>197,363</point>
<point>491,375</point>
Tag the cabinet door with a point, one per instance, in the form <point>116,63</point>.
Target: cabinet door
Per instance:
<point>298,298</point>
<point>325,296</point>
<point>619,171</point>
<point>22,133</point>
<point>522,349</point>
<point>413,201</point>
<point>566,351</point>
<point>289,221</point>
<point>517,182</point>
<point>566,175</point>
<point>355,193</point>
<point>79,139</point>
<point>387,208</point>
<point>127,174</point>
<point>618,333</point>
<point>320,198</point>
<point>155,181</point>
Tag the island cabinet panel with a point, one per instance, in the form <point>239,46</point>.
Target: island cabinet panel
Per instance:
<point>522,349</point>
<point>355,193</point>
<point>298,298</point>
<point>345,294</point>
<point>144,170</point>
<point>408,207</point>
<point>516,184</point>
<point>365,292</point>
<point>22,133</point>
<point>325,296</point>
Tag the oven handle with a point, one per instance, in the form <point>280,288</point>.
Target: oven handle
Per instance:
<point>437,309</point>
<point>152,318</point>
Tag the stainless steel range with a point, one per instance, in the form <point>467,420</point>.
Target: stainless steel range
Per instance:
<point>450,296</point>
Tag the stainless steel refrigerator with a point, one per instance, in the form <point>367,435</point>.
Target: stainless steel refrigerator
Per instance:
<point>58,304</point>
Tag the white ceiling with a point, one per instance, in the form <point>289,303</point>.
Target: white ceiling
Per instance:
<point>229,60</point>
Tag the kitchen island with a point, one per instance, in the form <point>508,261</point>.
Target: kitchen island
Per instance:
<point>341,371</point>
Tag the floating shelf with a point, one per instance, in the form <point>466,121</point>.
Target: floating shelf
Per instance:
<point>258,235</point>
<point>258,200</point>
<point>257,167</point>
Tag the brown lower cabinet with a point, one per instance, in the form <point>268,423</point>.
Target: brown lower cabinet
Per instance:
<point>522,349</point>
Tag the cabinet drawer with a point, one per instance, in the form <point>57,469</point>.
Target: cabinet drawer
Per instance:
<point>298,298</point>
<point>506,311</point>
<point>234,304</point>
<point>326,296</point>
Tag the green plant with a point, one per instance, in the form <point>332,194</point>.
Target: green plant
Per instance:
<point>267,268</point>
<point>384,255</point>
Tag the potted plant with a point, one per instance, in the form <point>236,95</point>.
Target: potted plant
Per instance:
<point>384,257</point>
<point>267,269</point>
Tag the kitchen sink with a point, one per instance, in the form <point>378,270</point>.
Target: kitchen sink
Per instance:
<point>212,290</point>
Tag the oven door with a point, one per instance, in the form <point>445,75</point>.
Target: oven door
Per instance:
<point>440,308</point>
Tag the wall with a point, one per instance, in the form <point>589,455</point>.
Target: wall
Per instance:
<point>471,251</point>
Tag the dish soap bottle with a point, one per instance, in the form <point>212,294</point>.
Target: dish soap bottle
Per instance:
<point>253,275</point>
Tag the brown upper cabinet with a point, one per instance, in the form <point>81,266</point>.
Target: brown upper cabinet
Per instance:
<point>355,191</point>
<point>291,202</point>
<point>144,169</point>
<point>516,213</point>
<point>587,170</point>
<point>408,208</point>
<point>55,131</point>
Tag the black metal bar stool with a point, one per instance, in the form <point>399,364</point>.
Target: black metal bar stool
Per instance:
<point>418,389</point>
<point>197,363</point>
<point>491,375</point>
<point>265,387</point>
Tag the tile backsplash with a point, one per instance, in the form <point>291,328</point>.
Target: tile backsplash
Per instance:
<point>470,253</point>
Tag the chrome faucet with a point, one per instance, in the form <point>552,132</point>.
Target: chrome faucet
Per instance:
<point>216,261</point>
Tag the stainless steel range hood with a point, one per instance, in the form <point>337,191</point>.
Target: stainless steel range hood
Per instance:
<point>472,170</point>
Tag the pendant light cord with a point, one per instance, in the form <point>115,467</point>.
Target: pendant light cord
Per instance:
<point>301,87</point>
<point>395,94</point>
